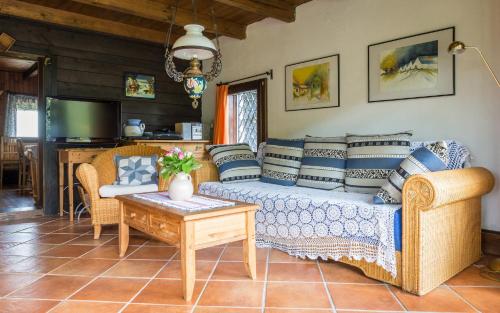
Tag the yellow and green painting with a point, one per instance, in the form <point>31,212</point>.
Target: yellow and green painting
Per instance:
<point>311,84</point>
<point>409,67</point>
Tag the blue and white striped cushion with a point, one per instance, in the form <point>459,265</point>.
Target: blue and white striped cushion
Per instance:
<point>282,159</point>
<point>236,162</point>
<point>431,158</point>
<point>371,158</point>
<point>323,164</point>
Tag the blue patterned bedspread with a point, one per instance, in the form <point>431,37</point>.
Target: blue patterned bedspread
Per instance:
<point>313,223</point>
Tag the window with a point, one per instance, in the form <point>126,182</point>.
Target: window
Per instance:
<point>21,116</point>
<point>26,123</point>
<point>247,113</point>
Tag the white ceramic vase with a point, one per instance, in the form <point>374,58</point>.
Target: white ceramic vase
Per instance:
<point>181,187</point>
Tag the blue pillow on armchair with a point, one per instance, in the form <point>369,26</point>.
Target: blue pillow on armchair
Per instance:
<point>430,158</point>
<point>136,170</point>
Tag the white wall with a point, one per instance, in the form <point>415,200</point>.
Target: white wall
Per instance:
<point>325,27</point>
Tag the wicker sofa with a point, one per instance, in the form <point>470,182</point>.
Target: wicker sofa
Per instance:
<point>102,171</point>
<point>441,227</point>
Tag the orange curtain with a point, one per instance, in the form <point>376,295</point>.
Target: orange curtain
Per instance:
<point>220,125</point>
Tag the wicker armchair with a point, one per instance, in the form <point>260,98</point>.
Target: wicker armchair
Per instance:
<point>102,171</point>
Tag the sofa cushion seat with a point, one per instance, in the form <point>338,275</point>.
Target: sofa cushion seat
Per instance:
<point>314,223</point>
<point>110,191</point>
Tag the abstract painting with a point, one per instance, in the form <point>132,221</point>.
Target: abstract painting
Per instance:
<point>312,84</point>
<point>140,86</point>
<point>411,67</point>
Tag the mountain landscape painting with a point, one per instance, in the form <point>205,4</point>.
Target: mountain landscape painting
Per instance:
<point>409,67</point>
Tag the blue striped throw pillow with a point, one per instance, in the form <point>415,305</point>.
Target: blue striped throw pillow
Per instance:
<point>282,159</point>
<point>323,164</point>
<point>431,158</point>
<point>371,158</point>
<point>236,162</point>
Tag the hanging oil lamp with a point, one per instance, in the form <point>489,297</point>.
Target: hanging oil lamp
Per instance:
<point>195,47</point>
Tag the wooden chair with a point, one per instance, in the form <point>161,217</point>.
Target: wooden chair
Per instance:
<point>23,164</point>
<point>102,171</point>
<point>32,156</point>
<point>9,157</point>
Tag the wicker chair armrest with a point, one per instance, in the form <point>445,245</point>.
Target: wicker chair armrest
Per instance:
<point>441,225</point>
<point>163,183</point>
<point>208,172</point>
<point>432,190</point>
<point>88,177</point>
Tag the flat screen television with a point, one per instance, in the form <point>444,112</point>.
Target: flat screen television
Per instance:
<point>90,119</point>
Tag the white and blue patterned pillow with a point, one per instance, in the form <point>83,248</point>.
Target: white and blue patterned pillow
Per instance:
<point>282,159</point>
<point>323,164</point>
<point>459,155</point>
<point>431,158</point>
<point>136,170</point>
<point>371,158</point>
<point>236,162</point>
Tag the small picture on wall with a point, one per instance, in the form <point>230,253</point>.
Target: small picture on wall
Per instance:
<point>140,86</point>
<point>411,67</point>
<point>312,84</point>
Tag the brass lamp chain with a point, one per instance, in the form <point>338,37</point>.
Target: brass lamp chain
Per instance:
<point>174,13</point>
<point>217,62</point>
<point>170,68</point>
<point>215,29</point>
<point>195,11</point>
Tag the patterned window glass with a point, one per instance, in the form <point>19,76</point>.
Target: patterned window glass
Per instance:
<point>246,118</point>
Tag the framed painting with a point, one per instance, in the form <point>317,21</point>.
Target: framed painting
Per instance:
<point>417,66</point>
<point>313,84</point>
<point>140,86</point>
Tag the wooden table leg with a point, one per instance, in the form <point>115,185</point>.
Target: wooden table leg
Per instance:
<point>123,233</point>
<point>249,253</point>
<point>61,188</point>
<point>70,191</point>
<point>188,263</point>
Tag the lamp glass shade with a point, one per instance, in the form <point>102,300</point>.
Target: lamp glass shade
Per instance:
<point>194,44</point>
<point>456,47</point>
<point>195,86</point>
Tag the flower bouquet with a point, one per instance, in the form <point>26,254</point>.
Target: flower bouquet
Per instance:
<point>179,163</point>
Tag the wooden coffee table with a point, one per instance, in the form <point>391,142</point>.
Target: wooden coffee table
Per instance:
<point>190,231</point>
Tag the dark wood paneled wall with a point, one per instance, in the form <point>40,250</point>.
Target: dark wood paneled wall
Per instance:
<point>91,65</point>
<point>15,83</point>
<point>3,100</point>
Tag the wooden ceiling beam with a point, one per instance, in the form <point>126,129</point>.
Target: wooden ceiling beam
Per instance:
<point>279,4</point>
<point>259,8</point>
<point>31,72</point>
<point>162,11</point>
<point>76,20</point>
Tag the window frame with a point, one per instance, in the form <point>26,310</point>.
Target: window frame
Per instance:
<point>261,86</point>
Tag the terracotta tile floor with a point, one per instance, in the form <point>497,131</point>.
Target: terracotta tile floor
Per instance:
<point>48,265</point>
